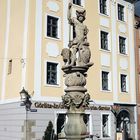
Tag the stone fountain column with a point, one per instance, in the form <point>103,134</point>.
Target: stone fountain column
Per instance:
<point>77,63</point>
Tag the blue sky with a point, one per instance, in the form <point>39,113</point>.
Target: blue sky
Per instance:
<point>137,8</point>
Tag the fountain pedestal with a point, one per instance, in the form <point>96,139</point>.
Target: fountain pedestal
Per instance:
<point>75,100</point>
<point>75,127</point>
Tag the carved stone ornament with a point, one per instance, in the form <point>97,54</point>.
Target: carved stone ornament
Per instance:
<point>76,101</point>
<point>67,100</point>
<point>75,79</point>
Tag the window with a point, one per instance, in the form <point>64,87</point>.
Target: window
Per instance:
<point>123,83</point>
<point>10,66</point>
<point>122,46</point>
<point>103,7</point>
<point>61,118</point>
<point>104,40</point>
<point>121,12</point>
<point>86,119</point>
<point>77,2</point>
<point>52,73</point>
<point>123,122</point>
<point>52,26</point>
<point>105,80</point>
<point>105,125</point>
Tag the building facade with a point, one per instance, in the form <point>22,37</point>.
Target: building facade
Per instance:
<point>32,35</point>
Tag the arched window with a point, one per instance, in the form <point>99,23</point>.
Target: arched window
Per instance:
<point>123,121</point>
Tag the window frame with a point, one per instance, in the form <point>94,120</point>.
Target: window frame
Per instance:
<point>109,124</point>
<point>122,45</point>
<point>58,27</point>
<point>107,40</point>
<point>121,12</point>
<point>76,2</point>
<point>53,27</point>
<point>126,45</point>
<point>109,80</point>
<point>57,74</point>
<point>126,82</point>
<point>107,9</point>
<point>103,7</point>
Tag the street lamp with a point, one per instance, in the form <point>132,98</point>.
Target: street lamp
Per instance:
<point>25,100</point>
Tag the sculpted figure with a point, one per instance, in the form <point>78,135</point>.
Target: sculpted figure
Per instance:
<point>66,100</point>
<point>80,31</point>
<point>84,54</point>
<point>66,53</point>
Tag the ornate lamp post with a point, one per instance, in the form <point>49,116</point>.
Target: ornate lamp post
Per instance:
<point>76,64</point>
<point>25,100</point>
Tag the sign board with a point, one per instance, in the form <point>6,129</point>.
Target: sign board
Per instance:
<point>61,106</point>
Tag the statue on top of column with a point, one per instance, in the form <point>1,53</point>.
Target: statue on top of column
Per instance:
<point>79,43</point>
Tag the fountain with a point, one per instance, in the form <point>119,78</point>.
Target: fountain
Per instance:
<point>76,63</point>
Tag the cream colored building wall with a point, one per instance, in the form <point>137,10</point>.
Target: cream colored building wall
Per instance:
<point>53,44</point>
<point>94,76</point>
<point>18,27</point>
<point>115,62</point>
<point>15,45</point>
<point>12,38</point>
<point>2,37</point>
<point>126,29</point>
<point>30,49</point>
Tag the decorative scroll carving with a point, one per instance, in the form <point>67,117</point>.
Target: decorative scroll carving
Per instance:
<point>77,100</point>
